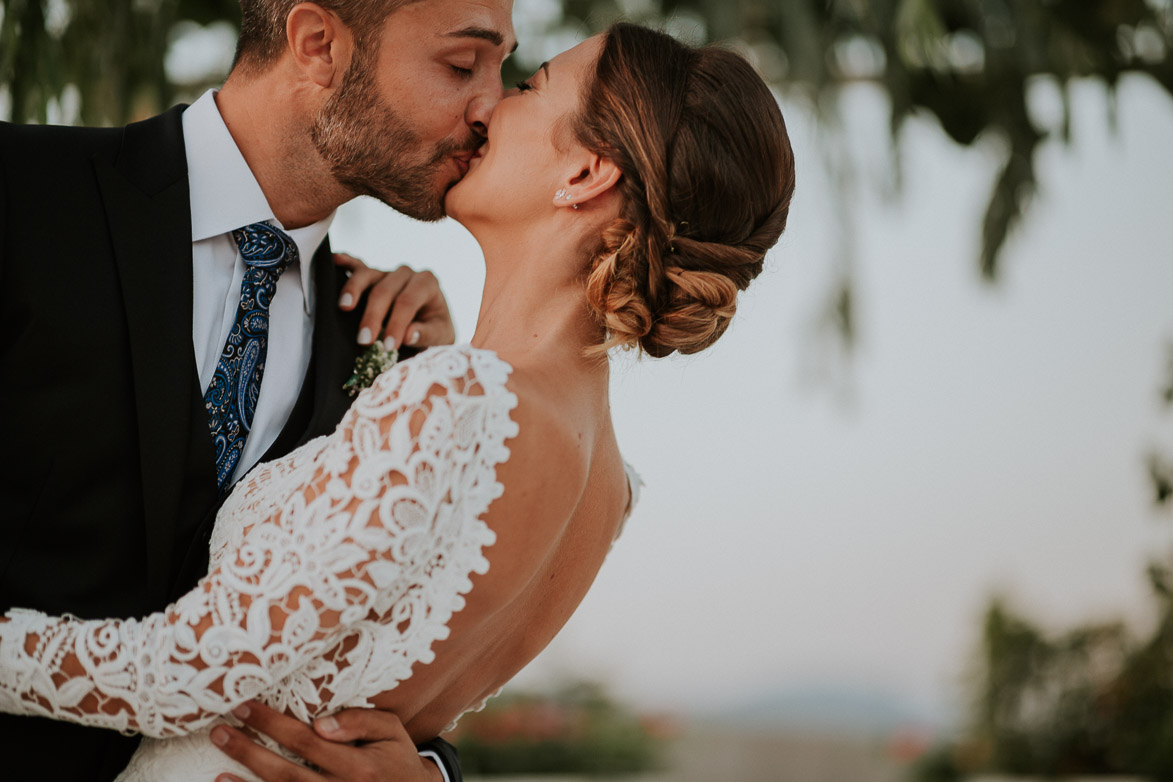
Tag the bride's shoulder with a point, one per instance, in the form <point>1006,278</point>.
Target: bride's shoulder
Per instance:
<point>441,371</point>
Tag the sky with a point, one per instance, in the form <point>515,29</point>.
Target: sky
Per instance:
<point>810,522</point>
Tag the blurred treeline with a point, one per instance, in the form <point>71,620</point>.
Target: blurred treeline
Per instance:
<point>577,729</point>
<point>968,63</point>
<point>1090,701</point>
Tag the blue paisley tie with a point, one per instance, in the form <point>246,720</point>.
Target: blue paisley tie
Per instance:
<point>231,398</point>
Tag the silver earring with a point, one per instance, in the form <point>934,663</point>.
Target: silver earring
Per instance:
<point>574,207</point>
<point>560,194</point>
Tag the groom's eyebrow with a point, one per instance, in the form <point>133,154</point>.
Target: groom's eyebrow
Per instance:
<point>481,33</point>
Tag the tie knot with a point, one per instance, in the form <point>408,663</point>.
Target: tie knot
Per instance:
<point>265,247</point>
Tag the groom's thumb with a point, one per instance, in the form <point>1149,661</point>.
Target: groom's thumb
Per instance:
<point>361,725</point>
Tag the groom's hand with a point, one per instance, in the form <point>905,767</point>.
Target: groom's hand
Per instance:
<point>354,745</point>
<point>405,306</point>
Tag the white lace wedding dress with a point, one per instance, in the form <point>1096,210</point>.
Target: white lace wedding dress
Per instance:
<point>332,571</point>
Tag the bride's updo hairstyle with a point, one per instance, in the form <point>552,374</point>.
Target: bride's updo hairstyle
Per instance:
<point>707,177</point>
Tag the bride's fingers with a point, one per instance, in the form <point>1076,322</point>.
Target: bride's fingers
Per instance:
<point>420,317</point>
<point>383,300</point>
<point>361,278</point>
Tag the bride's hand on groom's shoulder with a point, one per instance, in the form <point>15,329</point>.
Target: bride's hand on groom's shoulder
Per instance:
<point>403,305</point>
<point>354,745</point>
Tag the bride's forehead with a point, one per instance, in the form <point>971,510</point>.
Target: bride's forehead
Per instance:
<point>580,55</point>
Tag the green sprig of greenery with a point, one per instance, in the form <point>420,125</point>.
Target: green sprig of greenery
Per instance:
<point>373,362</point>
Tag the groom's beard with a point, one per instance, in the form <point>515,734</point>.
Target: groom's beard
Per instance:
<point>373,151</point>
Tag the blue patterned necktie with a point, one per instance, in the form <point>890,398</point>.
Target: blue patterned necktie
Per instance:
<point>231,398</point>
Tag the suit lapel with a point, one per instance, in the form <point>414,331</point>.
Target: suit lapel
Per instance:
<point>148,210</point>
<point>335,345</point>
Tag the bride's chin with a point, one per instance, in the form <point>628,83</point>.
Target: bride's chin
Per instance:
<point>453,203</point>
<point>458,211</point>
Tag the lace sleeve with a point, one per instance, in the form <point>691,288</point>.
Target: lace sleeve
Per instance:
<point>376,524</point>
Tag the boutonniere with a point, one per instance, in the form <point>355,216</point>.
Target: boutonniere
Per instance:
<point>369,365</point>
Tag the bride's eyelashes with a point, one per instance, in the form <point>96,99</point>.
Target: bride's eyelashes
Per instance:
<point>524,86</point>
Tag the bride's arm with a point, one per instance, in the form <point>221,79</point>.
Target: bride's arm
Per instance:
<point>358,538</point>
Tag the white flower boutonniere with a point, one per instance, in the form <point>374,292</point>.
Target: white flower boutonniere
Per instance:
<point>369,365</point>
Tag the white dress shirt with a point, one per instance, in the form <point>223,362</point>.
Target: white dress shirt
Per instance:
<point>225,196</point>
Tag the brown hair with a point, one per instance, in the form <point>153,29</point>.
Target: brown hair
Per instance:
<point>707,178</point>
<point>262,25</point>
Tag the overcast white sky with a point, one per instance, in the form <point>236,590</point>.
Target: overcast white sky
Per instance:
<point>790,536</point>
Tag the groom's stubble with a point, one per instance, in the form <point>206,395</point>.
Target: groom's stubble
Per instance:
<point>373,150</point>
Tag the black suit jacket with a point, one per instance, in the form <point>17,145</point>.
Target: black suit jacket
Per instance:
<point>107,478</point>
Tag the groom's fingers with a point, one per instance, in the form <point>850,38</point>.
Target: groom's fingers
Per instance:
<point>363,725</point>
<point>297,737</point>
<point>266,764</point>
<point>381,748</point>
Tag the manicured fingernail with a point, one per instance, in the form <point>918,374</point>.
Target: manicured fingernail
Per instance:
<point>389,343</point>
<point>242,711</point>
<point>328,725</point>
<point>346,300</point>
<point>219,737</point>
<point>364,337</point>
<point>415,337</point>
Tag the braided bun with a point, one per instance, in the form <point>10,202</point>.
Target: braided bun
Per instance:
<point>707,178</point>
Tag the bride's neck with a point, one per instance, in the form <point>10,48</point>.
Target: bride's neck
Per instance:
<point>534,307</point>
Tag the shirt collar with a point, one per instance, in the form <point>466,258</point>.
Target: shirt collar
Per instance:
<point>224,193</point>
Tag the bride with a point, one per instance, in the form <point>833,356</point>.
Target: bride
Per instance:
<point>415,559</point>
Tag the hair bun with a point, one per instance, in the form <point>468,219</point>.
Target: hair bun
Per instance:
<point>699,307</point>
<point>665,309</point>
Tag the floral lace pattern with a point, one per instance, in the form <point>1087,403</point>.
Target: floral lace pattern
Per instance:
<point>360,541</point>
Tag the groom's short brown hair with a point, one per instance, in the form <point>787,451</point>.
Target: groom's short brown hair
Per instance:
<point>262,25</point>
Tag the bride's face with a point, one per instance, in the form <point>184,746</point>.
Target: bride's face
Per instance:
<point>531,149</point>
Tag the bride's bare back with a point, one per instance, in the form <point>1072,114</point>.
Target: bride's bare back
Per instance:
<point>565,498</point>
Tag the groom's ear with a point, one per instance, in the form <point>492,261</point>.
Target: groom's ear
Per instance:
<point>595,177</point>
<point>321,45</point>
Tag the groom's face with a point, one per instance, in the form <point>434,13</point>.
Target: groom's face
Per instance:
<point>415,102</point>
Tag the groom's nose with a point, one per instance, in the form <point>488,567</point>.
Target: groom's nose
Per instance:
<point>480,108</point>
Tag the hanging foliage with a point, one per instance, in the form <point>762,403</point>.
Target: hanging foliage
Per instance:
<point>968,63</point>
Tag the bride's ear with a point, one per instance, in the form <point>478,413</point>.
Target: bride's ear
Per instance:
<point>596,177</point>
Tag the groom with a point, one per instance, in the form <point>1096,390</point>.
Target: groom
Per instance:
<point>131,394</point>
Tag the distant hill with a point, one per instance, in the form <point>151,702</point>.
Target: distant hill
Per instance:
<point>828,710</point>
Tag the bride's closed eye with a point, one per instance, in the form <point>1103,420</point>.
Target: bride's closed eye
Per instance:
<point>524,86</point>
